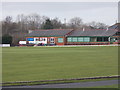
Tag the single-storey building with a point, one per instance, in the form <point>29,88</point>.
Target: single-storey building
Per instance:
<point>49,37</point>
<point>73,37</point>
<point>117,35</point>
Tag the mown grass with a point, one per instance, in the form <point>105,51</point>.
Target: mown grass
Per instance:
<point>107,86</point>
<point>55,82</point>
<point>49,63</point>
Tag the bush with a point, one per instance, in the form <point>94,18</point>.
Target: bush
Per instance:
<point>6,39</point>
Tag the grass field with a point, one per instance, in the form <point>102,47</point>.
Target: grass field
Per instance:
<point>47,63</point>
<point>108,86</point>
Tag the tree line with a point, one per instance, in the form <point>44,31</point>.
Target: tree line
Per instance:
<point>18,29</point>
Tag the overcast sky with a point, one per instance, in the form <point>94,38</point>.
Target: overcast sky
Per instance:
<point>106,12</point>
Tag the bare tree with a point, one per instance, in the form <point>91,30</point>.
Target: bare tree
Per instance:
<point>22,22</point>
<point>8,19</point>
<point>97,25</point>
<point>35,21</point>
<point>76,23</point>
<point>7,24</point>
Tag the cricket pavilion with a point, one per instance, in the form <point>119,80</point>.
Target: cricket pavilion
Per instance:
<point>74,37</point>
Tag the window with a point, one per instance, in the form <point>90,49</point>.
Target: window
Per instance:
<point>99,39</point>
<point>80,39</point>
<point>60,40</point>
<point>117,33</point>
<point>37,39</point>
<point>74,39</point>
<point>105,38</point>
<point>93,39</point>
<point>69,39</point>
<point>51,39</point>
<point>44,39</point>
<point>86,39</point>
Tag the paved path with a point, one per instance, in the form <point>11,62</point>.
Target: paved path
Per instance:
<point>72,85</point>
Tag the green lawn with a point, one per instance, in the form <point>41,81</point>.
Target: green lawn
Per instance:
<point>47,63</point>
<point>107,86</point>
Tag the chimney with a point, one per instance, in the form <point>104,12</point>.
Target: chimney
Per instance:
<point>29,31</point>
<point>107,29</point>
<point>83,29</point>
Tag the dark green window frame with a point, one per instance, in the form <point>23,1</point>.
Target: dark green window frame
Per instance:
<point>102,39</point>
<point>86,39</point>
<point>75,39</point>
<point>69,39</point>
<point>80,39</point>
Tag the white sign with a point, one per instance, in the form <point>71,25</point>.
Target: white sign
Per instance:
<point>22,42</point>
<point>31,42</point>
<point>4,45</point>
<point>39,40</point>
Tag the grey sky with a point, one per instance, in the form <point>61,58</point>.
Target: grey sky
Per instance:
<point>106,12</point>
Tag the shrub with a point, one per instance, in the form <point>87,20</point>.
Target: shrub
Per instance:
<point>6,39</point>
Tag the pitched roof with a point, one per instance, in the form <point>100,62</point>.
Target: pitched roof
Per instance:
<point>70,32</point>
<point>94,32</point>
<point>50,32</point>
<point>115,26</point>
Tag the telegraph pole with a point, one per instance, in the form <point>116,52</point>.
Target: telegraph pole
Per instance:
<point>65,22</point>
